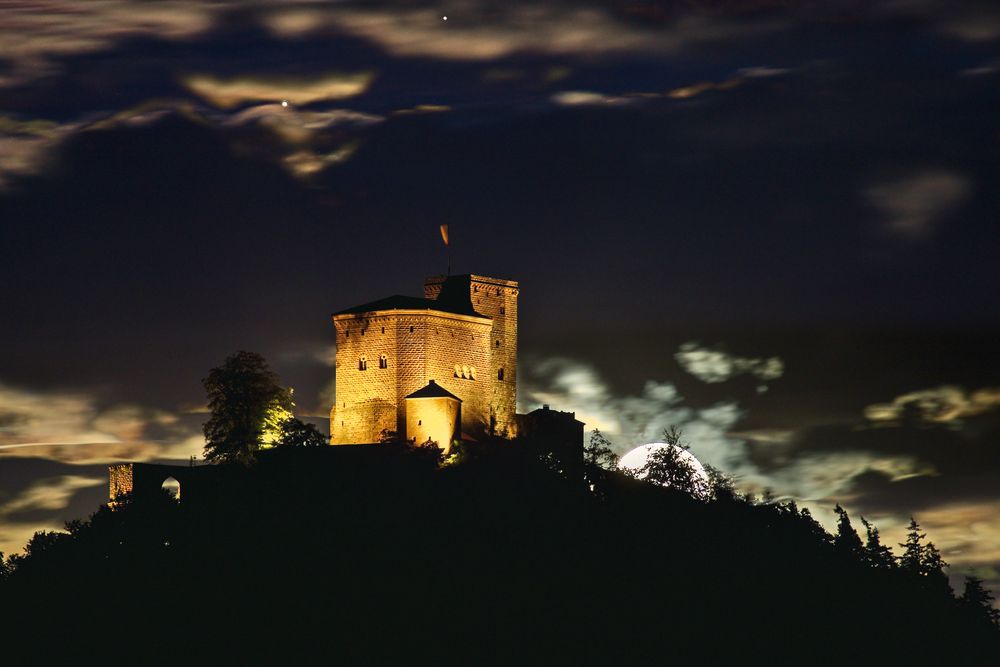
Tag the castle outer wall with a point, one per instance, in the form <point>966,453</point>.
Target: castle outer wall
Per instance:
<point>384,354</point>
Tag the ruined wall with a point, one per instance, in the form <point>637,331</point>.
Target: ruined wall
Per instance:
<point>120,480</point>
<point>496,299</point>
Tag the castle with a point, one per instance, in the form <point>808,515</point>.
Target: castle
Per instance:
<point>437,368</point>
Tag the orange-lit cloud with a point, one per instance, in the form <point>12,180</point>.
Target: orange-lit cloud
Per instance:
<point>476,31</point>
<point>227,93</point>
<point>33,33</point>
<point>940,404</point>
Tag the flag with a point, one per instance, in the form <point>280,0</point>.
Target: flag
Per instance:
<point>444,234</point>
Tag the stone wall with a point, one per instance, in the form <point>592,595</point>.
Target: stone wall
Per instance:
<point>418,346</point>
<point>496,299</point>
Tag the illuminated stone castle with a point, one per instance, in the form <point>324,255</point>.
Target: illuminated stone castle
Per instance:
<point>437,367</point>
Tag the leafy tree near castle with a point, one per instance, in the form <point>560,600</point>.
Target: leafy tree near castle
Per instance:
<point>249,407</point>
<point>296,433</point>
<point>598,452</point>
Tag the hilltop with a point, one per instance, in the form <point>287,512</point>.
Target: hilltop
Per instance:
<point>506,557</point>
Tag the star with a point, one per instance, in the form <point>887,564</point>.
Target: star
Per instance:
<point>284,103</point>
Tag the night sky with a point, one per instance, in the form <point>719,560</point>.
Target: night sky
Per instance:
<point>773,224</point>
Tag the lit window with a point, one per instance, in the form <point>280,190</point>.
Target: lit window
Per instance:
<point>363,364</point>
<point>383,361</point>
<point>500,374</point>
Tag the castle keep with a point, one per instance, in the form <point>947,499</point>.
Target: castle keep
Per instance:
<point>448,359</point>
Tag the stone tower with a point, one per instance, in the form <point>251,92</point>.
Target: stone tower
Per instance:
<point>462,335</point>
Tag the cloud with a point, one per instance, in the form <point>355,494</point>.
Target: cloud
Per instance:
<point>481,31</point>
<point>713,365</point>
<point>48,494</point>
<point>571,98</point>
<point>914,205</point>
<point>630,421</point>
<point>947,403</point>
<point>73,427</point>
<point>34,33</point>
<point>299,140</point>
<point>232,92</point>
<point>773,461</point>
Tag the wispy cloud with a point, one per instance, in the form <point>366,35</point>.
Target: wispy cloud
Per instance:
<point>947,403</point>
<point>716,365</point>
<point>228,93</point>
<point>915,204</point>
<point>74,427</point>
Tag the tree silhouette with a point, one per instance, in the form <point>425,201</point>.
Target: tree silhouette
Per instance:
<point>978,600</point>
<point>846,541</point>
<point>296,433</point>
<point>667,466</point>
<point>913,549</point>
<point>248,407</point>
<point>598,452</point>
<point>922,560</point>
<point>876,554</point>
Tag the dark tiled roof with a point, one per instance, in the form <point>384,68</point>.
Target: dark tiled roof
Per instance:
<point>433,390</point>
<point>455,297</point>
<point>395,302</point>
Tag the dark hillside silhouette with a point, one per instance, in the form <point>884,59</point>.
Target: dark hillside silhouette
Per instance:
<point>499,559</point>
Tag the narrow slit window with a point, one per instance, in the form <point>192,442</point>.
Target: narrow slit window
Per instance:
<point>363,364</point>
<point>383,361</point>
<point>500,374</point>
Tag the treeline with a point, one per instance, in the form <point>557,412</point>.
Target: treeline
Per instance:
<point>513,553</point>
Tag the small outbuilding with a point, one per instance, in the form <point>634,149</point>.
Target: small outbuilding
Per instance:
<point>433,414</point>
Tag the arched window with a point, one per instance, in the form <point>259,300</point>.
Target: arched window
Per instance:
<point>363,363</point>
<point>465,372</point>
<point>500,374</point>
<point>458,371</point>
<point>383,361</point>
<point>173,487</point>
<point>472,372</point>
